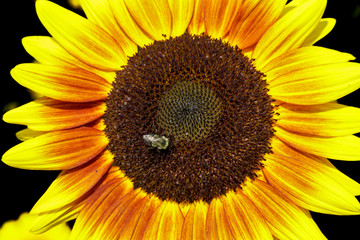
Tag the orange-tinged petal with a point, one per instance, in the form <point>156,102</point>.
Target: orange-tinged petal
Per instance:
<point>110,226</point>
<point>154,17</point>
<point>80,37</point>
<point>73,184</point>
<point>194,223</point>
<point>47,220</point>
<point>321,30</point>
<point>317,84</point>
<point>243,218</point>
<point>309,185</point>
<point>147,212</point>
<point>216,222</point>
<point>182,12</point>
<point>301,59</point>
<point>197,24</point>
<point>47,51</point>
<point>254,20</point>
<point>99,206</point>
<point>280,148</point>
<point>219,16</point>
<point>46,114</point>
<point>328,120</point>
<point>100,12</point>
<point>61,83</point>
<point>57,150</point>
<point>284,218</point>
<point>165,223</point>
<point>127,23</point>
<point>290,31</point>
<point>340,148</point>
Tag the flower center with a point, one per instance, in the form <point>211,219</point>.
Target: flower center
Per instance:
<point>188,111</point>
<point>189,119</point>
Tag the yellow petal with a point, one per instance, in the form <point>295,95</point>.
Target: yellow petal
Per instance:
<point>284,218</point>
<point>243,218</point>
<point>219,16</point>
<point>290,31</point>
<point>197,24</point>
<point>46,221</point>
<point>47,51</point>
<point>73,184</point>
<point>328,120</point>
<point>321,30</point>
<point>128,24</point>
<point>46,114</point>
<point>118,215</point>
<point>317,84</point>
<point>154,17</point>
<point>148,211</point>
<point>182,12</point>
<point>81,38</point>
<point>309,185</point>
<point>280,148</point>
<point>194,223</point>
<point>99,206</point>
<point>302,58</point>
<point>216,222</point>
<point>57,150</point>
<point>61,83</point>
<point>27,134</point>
<point>340,148</point>
<point>100,13</point>
<point>166,222</point>
<point>254,19</point>
<point>20,230</point>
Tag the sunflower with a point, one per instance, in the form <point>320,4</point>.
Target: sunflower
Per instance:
<point>199,119</point>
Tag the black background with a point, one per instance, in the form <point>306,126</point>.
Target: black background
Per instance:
<point>20,189</point>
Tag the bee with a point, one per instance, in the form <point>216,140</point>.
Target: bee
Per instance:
<point>156,141</point>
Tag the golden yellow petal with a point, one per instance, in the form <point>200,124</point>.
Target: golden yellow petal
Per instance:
<point>317,84</point>
<point>216,222</point>
<point>219,16</point>
<point>197,24</point>
<point>182,12</point>
<point>128,24</point>
<point>194,223</point>
<point>321,30</point>
<point>100,205</point>
<point>302,58</point>
<point>327,120</point>
<point>290,31</point>
<point>154,17</point>
<point>339,148</point>
<point>280,148</point>
<point>57,150</point>
<point>73,184</point>
<point>61,83</point>
<point>243,218</point>
<point>46,114</point>
<point>47,51</point>
<point>47,220</point>
<point>166,222</point>
<point>100,13</point>
<point>284,218</point>
<point>253,20</point>
<point>83,39</point>
<point>309,185</point>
